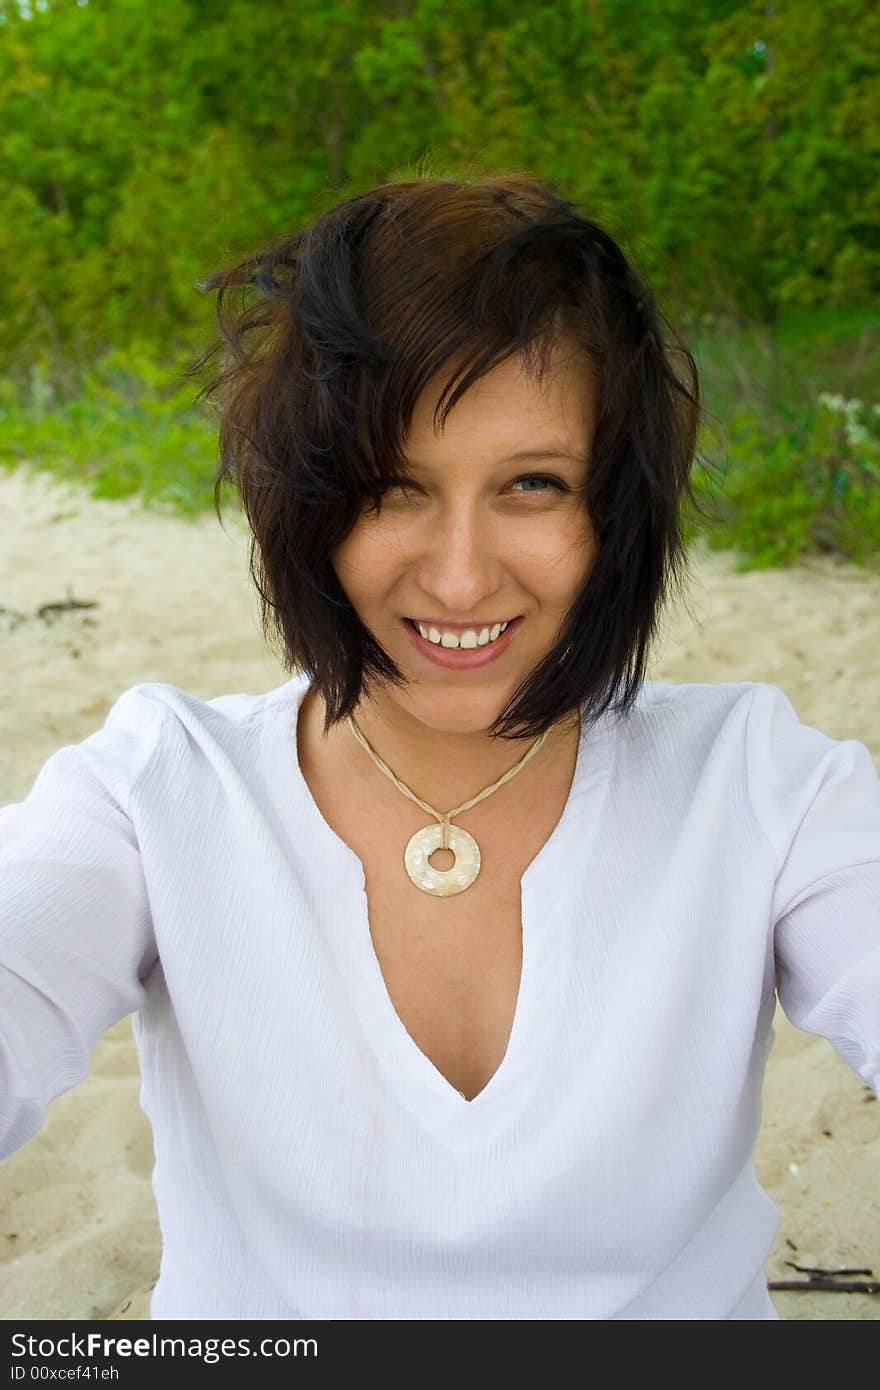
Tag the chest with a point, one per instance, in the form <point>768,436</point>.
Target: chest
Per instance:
<point>451,965</point>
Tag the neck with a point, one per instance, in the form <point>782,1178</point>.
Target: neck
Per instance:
<point>446,767</point>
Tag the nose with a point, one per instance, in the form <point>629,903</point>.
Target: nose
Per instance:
<point>459,563</point>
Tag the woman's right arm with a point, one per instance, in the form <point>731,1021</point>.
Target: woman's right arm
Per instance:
<point>76,932</point>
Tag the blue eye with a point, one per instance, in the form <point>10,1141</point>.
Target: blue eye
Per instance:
<point>540,478</point>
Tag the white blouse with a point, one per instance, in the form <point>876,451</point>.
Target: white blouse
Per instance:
<point>310,1161</point>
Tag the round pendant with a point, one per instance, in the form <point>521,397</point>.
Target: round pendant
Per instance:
<point>442,882</point>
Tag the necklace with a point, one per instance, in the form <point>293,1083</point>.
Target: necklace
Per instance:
<point>442,883</point>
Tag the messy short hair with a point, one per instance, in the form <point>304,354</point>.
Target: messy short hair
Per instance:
<point>355,313</point>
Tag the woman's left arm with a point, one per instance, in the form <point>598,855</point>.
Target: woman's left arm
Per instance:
<point>818,800</point>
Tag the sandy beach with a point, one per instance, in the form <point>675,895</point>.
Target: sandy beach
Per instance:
<point>173,601</point>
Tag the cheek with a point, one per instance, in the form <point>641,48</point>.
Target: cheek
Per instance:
<point>345,565</point>
<point>363,565</point>
<point>555,565</point>
<point>582,550</point>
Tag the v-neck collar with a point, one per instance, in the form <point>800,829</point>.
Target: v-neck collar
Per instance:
<point>545,891</point>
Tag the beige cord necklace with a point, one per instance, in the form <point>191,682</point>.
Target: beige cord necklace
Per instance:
<point>443,882</point>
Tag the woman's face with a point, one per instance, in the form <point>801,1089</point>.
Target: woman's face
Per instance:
<point>479,537</point>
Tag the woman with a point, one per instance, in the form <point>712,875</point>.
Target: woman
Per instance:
<point>453,959</point>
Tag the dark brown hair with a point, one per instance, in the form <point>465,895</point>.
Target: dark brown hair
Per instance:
<point>354,314</point>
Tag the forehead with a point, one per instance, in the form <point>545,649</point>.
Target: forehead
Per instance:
<point>509,413</point>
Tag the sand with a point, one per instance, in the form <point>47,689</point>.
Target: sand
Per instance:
<point>174,602</point>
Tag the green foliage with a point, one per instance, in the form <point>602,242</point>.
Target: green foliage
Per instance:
<point>800,467</point>
<point>806,490</point>
<point>132,430</point>
<point>733,146</point>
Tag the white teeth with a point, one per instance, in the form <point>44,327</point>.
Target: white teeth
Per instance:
<point>468,638</point>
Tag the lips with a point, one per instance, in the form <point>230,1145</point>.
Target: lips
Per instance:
<point>462,658</point>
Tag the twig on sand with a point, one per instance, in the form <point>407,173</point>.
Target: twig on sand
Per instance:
<point>827,1280</point>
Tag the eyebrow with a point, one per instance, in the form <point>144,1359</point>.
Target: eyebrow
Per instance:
<point>548,452</point>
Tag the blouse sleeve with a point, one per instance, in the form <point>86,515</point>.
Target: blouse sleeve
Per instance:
<point>76,937</point>
<point>818,800</point>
